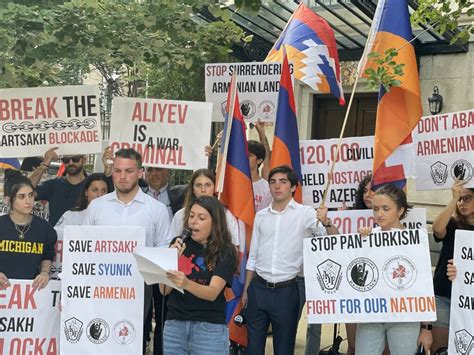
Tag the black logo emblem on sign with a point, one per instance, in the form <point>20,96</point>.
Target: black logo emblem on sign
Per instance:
<point>73,329</point>
<point>439,173</point>
<point>329,276</point>
<point>462,170</point>
<point>399,272</point>
<point>362,274</point>
<point>463,341</point>
<point>98,331</point>
<point>248,109</point>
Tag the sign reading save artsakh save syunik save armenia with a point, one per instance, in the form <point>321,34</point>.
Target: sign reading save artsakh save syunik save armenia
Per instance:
<point>384,277</point>
<point>167,133</point>
<point>32,120</point>
<point>444,146</point>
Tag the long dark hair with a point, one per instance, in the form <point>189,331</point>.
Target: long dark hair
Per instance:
<point>14,181</point>
<point>190,196</point>
<point>396,195</point>
<point>459,218</point>
<point>219,241</point>
<point>81,203</point>
<point>359,203</point>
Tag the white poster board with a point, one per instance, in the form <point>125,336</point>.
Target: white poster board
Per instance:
<point>32,120</point>
<point>444,150</point>
<point>29,318</point>
<point>350,221</point>
<point>257,84</point>
<point>169,134</point>
<point>352,165</point>
<point>102,291</point>
<point>385,277</point>
<point>461,323</point>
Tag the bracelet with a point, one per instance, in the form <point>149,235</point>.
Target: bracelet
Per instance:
<point>45,165</point>
<point>329,224</point>
<point>44,271</point>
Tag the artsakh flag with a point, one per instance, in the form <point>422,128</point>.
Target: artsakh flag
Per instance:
<point>399,110</point>
<point>9,163</point>
<point>286,143</point>
<point>237,196</point>
<point>311,46</point>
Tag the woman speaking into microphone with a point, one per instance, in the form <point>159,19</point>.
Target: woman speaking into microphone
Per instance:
<point>195,322</point>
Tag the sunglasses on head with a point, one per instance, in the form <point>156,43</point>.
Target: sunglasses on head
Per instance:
<point>75,159</point>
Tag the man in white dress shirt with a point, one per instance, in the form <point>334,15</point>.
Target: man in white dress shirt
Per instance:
<point>128,205</point>
<point>275,259</point>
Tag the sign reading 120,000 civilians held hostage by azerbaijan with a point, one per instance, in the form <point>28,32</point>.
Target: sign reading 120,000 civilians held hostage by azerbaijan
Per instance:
<point>461,323</point>
<point>444,150</point>
<point>169,134</point>
<point>102,291</point>
<point>384,277</point>
<point>257,84</point>
<point>32,120</point>
<point>29,318</point>
<point>353,163</point>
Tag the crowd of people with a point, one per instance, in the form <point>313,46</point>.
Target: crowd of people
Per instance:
<point>194,322</point>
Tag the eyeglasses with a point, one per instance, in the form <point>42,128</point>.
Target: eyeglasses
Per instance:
<point>465,199</point>
<point>75,159</point>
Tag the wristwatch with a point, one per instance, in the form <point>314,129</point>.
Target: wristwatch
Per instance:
<point>329,224</point>
<point>426,326</point>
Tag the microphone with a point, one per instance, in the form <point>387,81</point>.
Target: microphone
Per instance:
<point>185,234</point>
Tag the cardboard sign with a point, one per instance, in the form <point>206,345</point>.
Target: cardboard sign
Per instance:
<point>444,150</point>
<point>102,291</point>
<point>32,120</point>
<point>384,277</point>
<point>169,134</point>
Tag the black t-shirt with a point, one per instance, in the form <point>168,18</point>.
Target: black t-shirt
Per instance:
<point>442,285</point>
<point>21,259</point>
<point>189,307</point>
<point>61,196</point>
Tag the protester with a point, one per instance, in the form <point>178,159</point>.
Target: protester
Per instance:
<point>458,214</point>
<point>95,185</point>
<point>27,241</point>
<point>390,206</point>
<point>275,259</point>
<point>61,192</point>
<point>202,183</point>
<point>196,321</point>
<point>128,205</point>
<point>261,191</point>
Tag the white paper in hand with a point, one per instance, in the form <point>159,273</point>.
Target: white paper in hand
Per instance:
<point>154,262</point>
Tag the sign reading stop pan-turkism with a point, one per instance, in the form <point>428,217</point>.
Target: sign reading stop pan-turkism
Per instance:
<point>32,120</point>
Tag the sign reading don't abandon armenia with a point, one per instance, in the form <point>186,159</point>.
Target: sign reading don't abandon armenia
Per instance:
<point>384,277</point>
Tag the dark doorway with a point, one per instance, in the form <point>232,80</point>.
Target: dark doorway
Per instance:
<point>328,116</point>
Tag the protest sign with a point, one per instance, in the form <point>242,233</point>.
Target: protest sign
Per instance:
<point>32,120</point>
<point>444,150</point>
<point>169,134</point>
<point>102,291</point>
<point>384,277</point>
<point>257,85</point>
<point>461,323</point>
<point>352,165</point>
<point>350,221</point>
<point>29,322</point>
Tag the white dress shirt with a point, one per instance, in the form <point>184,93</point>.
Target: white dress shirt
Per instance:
<point>177,225</point>
<point>143,210</point>
<point>276,251</point>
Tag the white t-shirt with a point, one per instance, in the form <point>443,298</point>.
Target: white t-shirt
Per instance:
<point>232,224</point>
<point>261,194</point>
<point>72,218</point>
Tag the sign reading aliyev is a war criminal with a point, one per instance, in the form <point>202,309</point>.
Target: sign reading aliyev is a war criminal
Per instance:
<point>444,150</point>
<point>32,120</point>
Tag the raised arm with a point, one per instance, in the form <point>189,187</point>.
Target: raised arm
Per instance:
<point>440,223</point>
<point>49,156</point>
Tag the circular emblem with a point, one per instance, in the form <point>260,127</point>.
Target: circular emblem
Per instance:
<point>98,331</point>
<point>248,109</point>
<point>266,110</point>
<point>124,332</point>
<point>362,274</point>
<point>73,329</point>
<point>462,170</point>
<point>399,272</point>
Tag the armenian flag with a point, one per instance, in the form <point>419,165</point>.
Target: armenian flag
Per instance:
<point>311,46</point>
<point>286,142</point>
<point>399,110</point>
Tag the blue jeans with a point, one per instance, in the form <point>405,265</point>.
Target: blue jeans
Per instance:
<point>195,338</point>
<point>401,337</point>
<point>443,308</point>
